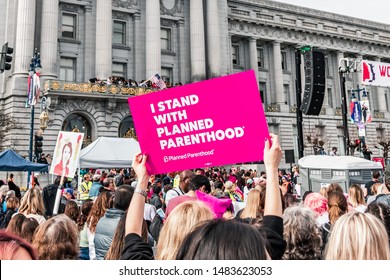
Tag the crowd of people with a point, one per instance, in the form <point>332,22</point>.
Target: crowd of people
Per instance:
<point>120,81</point>
<point>210,213</point>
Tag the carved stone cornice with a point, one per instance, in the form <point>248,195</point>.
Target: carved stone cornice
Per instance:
<point>83,104</point>
<point>69,8</point>
<point>126,4</point>
<point>120,15</point>
<point>110,106</point>
<point>61,86</point>
<point>301,37</point>
<point>173,10</point>
<point>307,12</point>
<point>52,103</point>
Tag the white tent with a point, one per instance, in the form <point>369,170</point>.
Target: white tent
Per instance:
<point>109,152</point>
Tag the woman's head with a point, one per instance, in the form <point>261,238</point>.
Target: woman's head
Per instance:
<point>337,206</point>
<point>253,207</point>
<point>358,236</point>
<point>334,187</point>
<point>100,206</point>
<point>15,224</point>
<point>72,210</point>
<point>356,195</point>
<point>317,203</point>
<point>382,212</point>
<point>13,247</point>
<point>223,240</point>
<point>67,151</point>
<point>12,203</point>
<point>301,233</point>
<point>57,239</point>
<point>32,202</point>
<point>178,225</point>
<point>29,226</point>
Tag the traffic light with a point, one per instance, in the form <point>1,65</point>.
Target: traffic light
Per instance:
<point>38,145</point>
<point>6,58</point>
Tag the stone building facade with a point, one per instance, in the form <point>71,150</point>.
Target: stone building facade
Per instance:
<point>185,41</point>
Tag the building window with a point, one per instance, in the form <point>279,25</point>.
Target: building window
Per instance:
<point>263,91</point>
<point>236,54</point>
<point>166,39</point>
<point>327,66</point>
<point>166,74</point>
<point>126,127</point>
<point>78,123</point>
<point>119,33</point>
<point>330,98</point>
<point>286,90</point>
<point>260,58</point>
<point>387,101</point>
<point>284,60</point>
<point>68,69</point>
<point>119,70</point>
<point>69,25</point>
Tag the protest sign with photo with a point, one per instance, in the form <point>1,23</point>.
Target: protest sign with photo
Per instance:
<point>66,153</point>
<point>210,123</point>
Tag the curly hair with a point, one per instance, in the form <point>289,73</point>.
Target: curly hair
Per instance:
<point>72,210</point>
<point>303,237</point>
<point>382,212</point>
<point>57,239</point>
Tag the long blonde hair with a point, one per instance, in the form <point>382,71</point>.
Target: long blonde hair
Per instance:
<point>356,196</point>
<point>178,225</point>
<point>32,203</point>
<point>358,236</point>
<point>252,208</point>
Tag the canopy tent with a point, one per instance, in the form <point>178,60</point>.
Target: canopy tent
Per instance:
<point>109,152</point>
<point>11,161</point>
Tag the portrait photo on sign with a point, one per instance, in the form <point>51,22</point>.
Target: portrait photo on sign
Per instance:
<point>66,153</point>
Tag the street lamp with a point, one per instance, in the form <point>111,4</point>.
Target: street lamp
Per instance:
<point>33,96</point>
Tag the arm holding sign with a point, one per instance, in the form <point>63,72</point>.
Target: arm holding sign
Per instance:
<point>135,247</point>
<point>273,221</point>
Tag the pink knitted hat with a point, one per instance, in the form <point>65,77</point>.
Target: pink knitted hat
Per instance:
<point>218,206</point>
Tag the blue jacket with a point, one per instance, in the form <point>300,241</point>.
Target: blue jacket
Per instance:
<point>94,190</point>
<point>105,230</point>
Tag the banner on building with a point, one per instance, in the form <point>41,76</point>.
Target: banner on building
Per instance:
<point>366,112</point>
<point>66,153</point>
<point>375,73</point>
<point>210,123</point>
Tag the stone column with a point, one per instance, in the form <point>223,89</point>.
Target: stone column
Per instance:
<point>213,39</point>
<point>359,58</point>
<point>380,97</point>
<point>337,93</point>
<point>49,39</point>
<point>253,58</point>
<point>278,73</point>
<point>198,61</point>
<point>103,39</point>
<point>153,38</point>
<point>138,60</point>
<point>25,30</point>
<point>182,49</point>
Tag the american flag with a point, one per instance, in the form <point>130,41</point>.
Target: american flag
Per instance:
<point>158,81</point>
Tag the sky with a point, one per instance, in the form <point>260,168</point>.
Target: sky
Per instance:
<point>374,10</point>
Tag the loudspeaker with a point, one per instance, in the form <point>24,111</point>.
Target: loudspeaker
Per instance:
<point>314,62</point>
<point>289,156</point>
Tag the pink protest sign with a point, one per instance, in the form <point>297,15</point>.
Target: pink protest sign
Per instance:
<point>209,123</point>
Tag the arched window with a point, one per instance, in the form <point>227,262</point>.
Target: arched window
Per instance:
<point>78,123</point>
<point>126,128</point>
